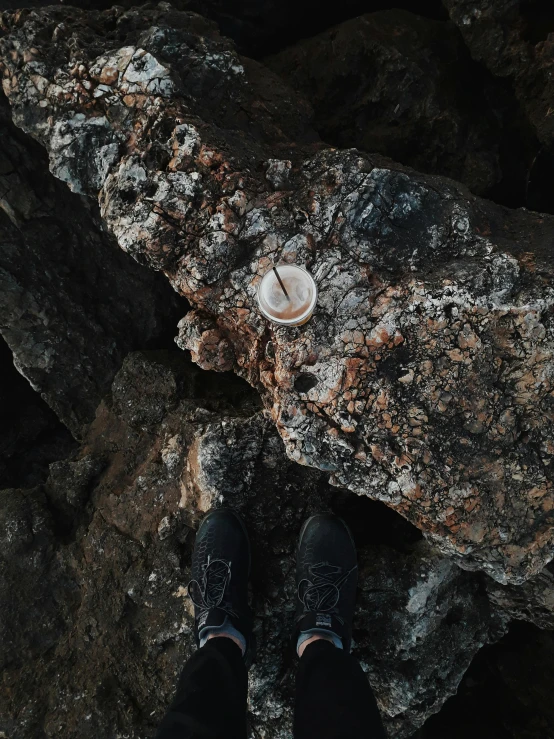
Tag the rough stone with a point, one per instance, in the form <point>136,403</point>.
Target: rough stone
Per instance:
<point>514,40</point>
<point>533,601</point>
<point>413,82</point>
<point>419,281</point>
<point>31,437</point>
<point>418,610</point>
<point>32,618</point>
<point>71,304</point>
<point>101,558</point>
<point>507,692</point>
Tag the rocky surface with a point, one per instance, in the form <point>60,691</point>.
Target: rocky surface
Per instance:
<point>103,550</point>
<point>533,601</point>
<point>514,40</point>
<point>413,81</point>
<point>506,693</point>
<point>71,303</point>
<point>31,436</point>
<point>411,606</point>
<point>424,378</point>
<point>423,381</point>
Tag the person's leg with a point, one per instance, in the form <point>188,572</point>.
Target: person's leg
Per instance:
<point>211,695</point>
<point>210,701</point>
<point>333,696</point>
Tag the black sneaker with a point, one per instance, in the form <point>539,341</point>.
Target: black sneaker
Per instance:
<point>220,573</point>
<point>326,578</point>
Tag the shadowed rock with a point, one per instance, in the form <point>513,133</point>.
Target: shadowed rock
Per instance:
<point>31,436</point>
<point>71,303</point>
<point>514,40</point>
<point>533,601</point>
<point>385,80</point>
<point>430,353</point>
<point>107,621</point>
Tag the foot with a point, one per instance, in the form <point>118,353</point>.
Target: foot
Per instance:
<point>326,579</point>
<point>219,585</point>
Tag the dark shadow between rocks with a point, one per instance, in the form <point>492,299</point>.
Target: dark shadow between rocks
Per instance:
<point>374,523</point>
<point>216,391</point>
<point>260,28</point>
<point>527,166</point>
<point>538,16</point>
<point>507,693</point>
<point>403,85</point>
<point>31,435</point>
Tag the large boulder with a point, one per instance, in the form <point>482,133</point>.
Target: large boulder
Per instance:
<point>424,379</point>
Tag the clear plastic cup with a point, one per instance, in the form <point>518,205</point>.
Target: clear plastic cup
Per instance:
<point>287,295</point>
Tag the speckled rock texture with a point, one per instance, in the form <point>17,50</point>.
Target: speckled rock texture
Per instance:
<point>533,601</point>
<point>98,559</point>
<point>72,304</point>
<point>424,379</point>
<point>413,81</point>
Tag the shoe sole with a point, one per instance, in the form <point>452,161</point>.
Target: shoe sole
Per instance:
<point>238,517</point>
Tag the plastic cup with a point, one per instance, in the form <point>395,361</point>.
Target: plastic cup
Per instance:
<point>290,300</point>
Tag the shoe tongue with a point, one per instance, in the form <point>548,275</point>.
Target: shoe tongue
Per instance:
<point>212,619</point>
<point>325,621</point>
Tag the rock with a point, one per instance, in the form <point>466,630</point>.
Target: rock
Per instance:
<point>507,692</point>
<point>31,437</point>
<point>514,41</point>
<point>421,621</point>
<point>533,601</point>
<point>69,487</point>
<point>413,83</point>
<point>113,642</point>
<point>416,276</point>
<point>37,596</point>
<point>68,296</point>
<point>32,582</point>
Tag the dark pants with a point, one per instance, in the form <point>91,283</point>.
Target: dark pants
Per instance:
<point>333,697</point>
